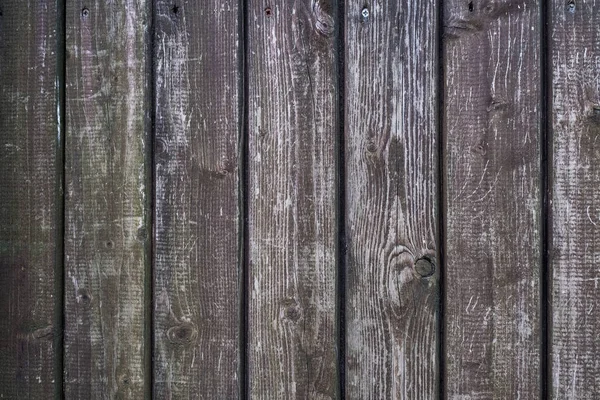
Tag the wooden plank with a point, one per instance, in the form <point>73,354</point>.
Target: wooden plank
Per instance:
<point>391,129</point>
<point>28,200</point>
<point>106,206</point>
<point>575,199</point>
<point>198,125</point>
<point>492,106</point>
<point>292,194</point>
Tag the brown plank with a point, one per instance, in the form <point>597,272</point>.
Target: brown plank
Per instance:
<point>575,199</point>
<point>106,204</point>
<point>28,201</point>
<point>493,199</point>
<point>391,184</point>
<point>198,123</point>
<point>292,195</point>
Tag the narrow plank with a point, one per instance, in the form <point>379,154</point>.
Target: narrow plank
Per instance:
<point>391,144</point>
<point>492,107</point>
<point>28,207</point>
<point>292,194</point>
<point>106,201</point>
<point>575,199</point>
<point>197,242</point>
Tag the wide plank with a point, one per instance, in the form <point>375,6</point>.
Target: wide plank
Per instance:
<point>575,199</point>
<point>292,197</point>
<point>197,215</point>
<point>107,257</point>
<point>391,152</point>
<point>30,202</point>
<point>493,204</point>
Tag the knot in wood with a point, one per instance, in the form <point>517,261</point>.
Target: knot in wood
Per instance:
<point>84,297</point>
<point>161,146</point>
<point>372,146</point>
<point>324,23</point>
<point>291,311</point>
<point>124,379</point>
<point>596,113</point>
<point>183,333</point>
<point>480,148</point>
<point>41,334</point>
<point>424,267</point>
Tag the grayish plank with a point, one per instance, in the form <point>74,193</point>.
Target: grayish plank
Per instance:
<point>492,199</point>
<point>293,130</point>
<point>198,122</point>
<point>575,199</point>
<point>106,204</point>
<point>391,183</point>
<point>28,208</point>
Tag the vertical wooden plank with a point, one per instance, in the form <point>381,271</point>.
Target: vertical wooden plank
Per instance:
<point>292,194</point>
<point>493,198</point>
<point>28,208</point>
<point>575,199</point>
<point>106,231</point>
<point>198,125</point>
<point>391,126</point>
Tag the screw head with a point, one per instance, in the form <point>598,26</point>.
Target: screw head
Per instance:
<point>365,13</point>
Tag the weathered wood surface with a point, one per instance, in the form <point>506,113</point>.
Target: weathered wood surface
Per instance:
<point>106,201</point>
<point>391,71</point>
<point>292,195</point>
<point>28,200</point>
<point>575,199</point>
<point>197,241</point>
<point>492,106</point>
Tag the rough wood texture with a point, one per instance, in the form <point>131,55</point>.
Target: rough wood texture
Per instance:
<point>106,231</point>
<point>575,199</point>
<point>493,199</point>
<point>391,184</point>
<point>198,122</point>
<point>28,209</point>
<point>293,130</point>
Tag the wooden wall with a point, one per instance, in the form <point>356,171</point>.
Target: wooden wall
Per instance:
<point>299,199</point>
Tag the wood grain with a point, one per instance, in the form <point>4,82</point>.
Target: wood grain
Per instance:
<point>292,195</point>
<point>575,199</point>
<point>106,207</point>
<point>391,70</point>
<point>492,181</point>
<point>197,242</point>
<point>28,200</point>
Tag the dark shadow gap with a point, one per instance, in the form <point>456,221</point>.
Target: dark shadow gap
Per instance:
<point>441,204</point>
<point>243,177</point>
<point>59,190</point>
<point>545,155</point>
<point>341,206</point>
